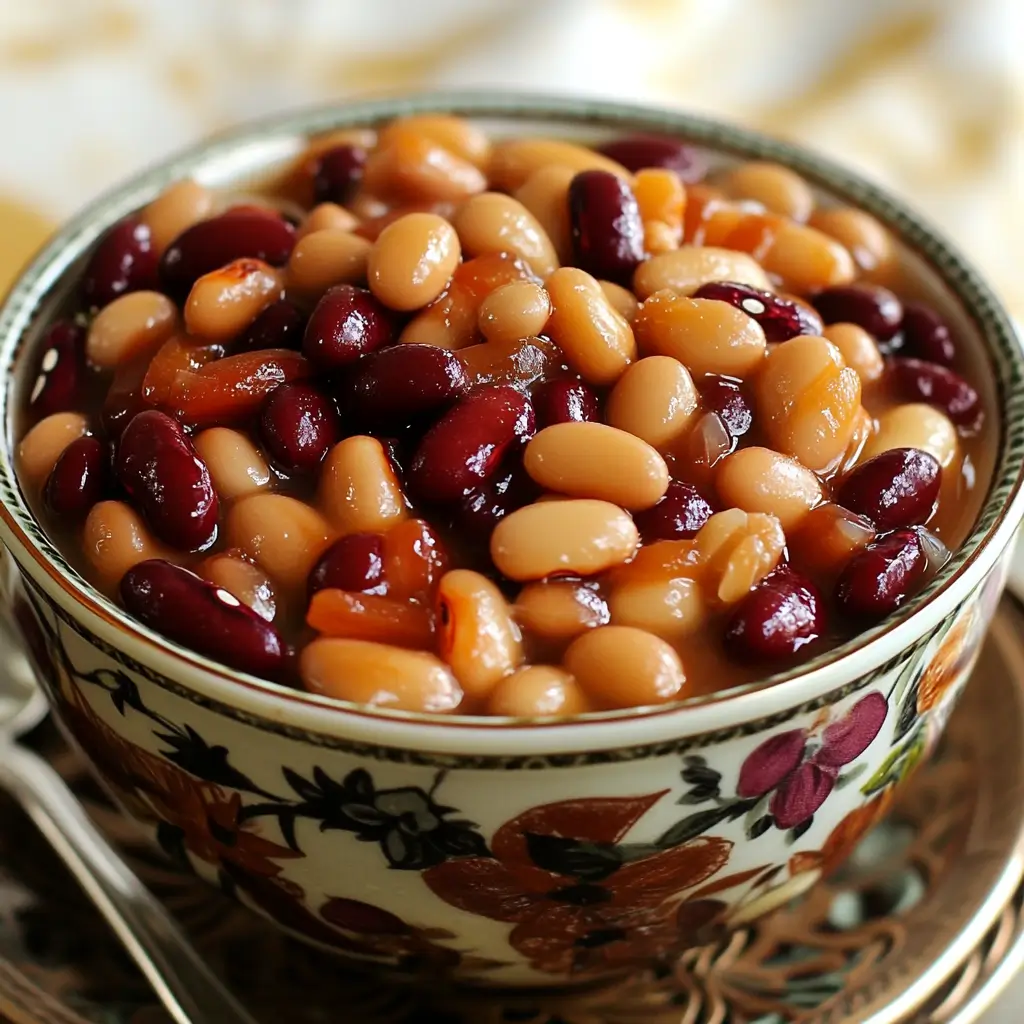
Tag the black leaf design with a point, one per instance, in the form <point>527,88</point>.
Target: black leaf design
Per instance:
<point>741,807</point>
<point>171,840</point>
<point>460,840</point>
<point>699,775</point>
<point>696,824</point>
<point>587,861</point>
<point>798,830</point>
<point>908,712</point>
<point>209,763</point>
<point>286,822</point>
<point>302,787</point>
<point>698,795</point>
<point>760,827</point>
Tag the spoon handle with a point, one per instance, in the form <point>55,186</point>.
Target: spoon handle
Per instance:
<point>188,989</point>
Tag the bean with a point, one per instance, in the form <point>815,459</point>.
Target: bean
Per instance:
<point>338,172</point>
<point>867,241</point>
<point>706,335</point>
<point>326,216</point>
<point>897,488</point>
<point>514,160</point>
<point>916,380</point>
<point>370,617</point>
<point>537,691</point>
<point>582,537</point>
<point>508,489</point>
<point>299,425</point>
<point>564,400</point>
<point>457,135</point>
<point>662,199</point>
<point>175,210</point>
<point>622,300</point>
<point>725,397</point>
<point>225,302</point>
<point>280,325</point>
<point>623,667</point>
<point>44,444</point>
<point>492,222</point>
<point>412,260</point>
<point>776,188</point>
<point>882,576</point>
<point>560,609</point>
<point>519,362</point>
<point>669,608</point>
<point>870,306</point>
<point>245,581</point>
<point>60,372</point>
<point>736,550</point>
<point>516,310</point>
<point>124,261</point>
<point>684,270</point>
<point>914,426</point>
<point>159,468</point>
<point>545,193</point>
<point>598,343</point>
<point>779,317</point>
<point>654,399</point>
<point>635,152</point>
<point>328,257</point>
<point>130,327</point>
<point>354,563</point>
<point>379,675</point>
<point>114,538</point>
<point>203,617</point>
<point>762,480</point>
<point>414,168</point>
<point>283,536</point>
<point>607,232</point>
<point>858,350</point>
<point>926,335</point>
<point>780,617</point>
<point>680,513</point>
<point>829,536</point>
<point>348,322</point>
<point>78,478</point>
<point>467,444</point>
<point>415,559</point>
<point>359,491</point>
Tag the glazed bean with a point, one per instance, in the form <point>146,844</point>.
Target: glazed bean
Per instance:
<point>243,580</point>
<point>707,443</point>
<point>283,536</point>
<point>370,617</point>
<point>776,188</point>
<point>779,617</point>
<point>829,537</point>
<point>926,335</point>
<point>662,199</point>
<point>654,399</point>
<point>560,609</point>
<point>624,667</point>
<point>175,210</point>
<point>882,576</point>
<point>706,335</point>
<point>481,509</point>
<point>564,400</point>
<point>635,152</point>
<point>479,638</point>
<point>737,549</point>
<point>78,478</point>
<point>598,343</point>
<point>607,232</point>
<point>516,361</point>
<point>60,373</point>
<point>225,302</point>
<point>280,325</point>
<point>546,195</point>
<point>457,135</point>
<point>897,488</point>
<point>870,306</point>
<point>326,216</point>
<point>124,261</point>
<point>348,322</point>
<point>858,350</point>
<point>130,327</point>
<point>914,426</point>
<point>44,444</point>
<point>516,310</point>
<point>668,608</point>
<point>327,257</point>
<point>493,222</point>
<point>415,559</point>
<point>359,491</point>
<point>354,563</point>
<point>114,539</point>
<point>412,260</point>
<point>299,424</point>
<point>807,259</point>
<point>762,480</point>
<point>514,160</point>
<point>537,691</point>
<point>338,172</point>
<point>679,514</point>
<point>808,401</point>
<point>622,300</point>
<point>916,380</point>
<point>726,398</point>
<point>581,536</point>
<point>379,675</point>
<point>685,269</point>
<point>414,168</point>
<point>779,317</point>
<point>867,241</point>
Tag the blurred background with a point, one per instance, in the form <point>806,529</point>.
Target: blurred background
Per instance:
<point>926,96</point>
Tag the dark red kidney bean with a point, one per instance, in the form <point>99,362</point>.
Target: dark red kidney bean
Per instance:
<point>780,318</point>
<point>201,616</point>
<point>918,381</point>
<point>484,507</point>
<point>347,323</point>
<point>124,399</point>
<point>635,152</point>
<point>782,614</point>
<point>398,384</point>
<point>564,400</point>
<point>466,446</point>
<point>78,479</point>
<point>123,262</point>
<point>926,335</point>
<point>354,563</point>
<point>61,370</point>
<point>299,425</point>
<point>607,232</point>
<point>870,306</point>
<point>233,235</point>
<point>679,514</point>
<point>897,488</point>
<point>280,325</point>
<point>158,466</point>
<point>337,174</point>
<point>883,575</point>
<point>724,396</point>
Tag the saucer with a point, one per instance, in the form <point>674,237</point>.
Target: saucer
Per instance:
<point>925,923</point>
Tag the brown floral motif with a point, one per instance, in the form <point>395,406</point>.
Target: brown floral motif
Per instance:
<point>949,662</point>
<point>581,899</point>
<point>844,837</point>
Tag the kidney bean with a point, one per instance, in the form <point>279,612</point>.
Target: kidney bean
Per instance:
<point>299,425</point>
<point>78,479</point>
<point>635,152</point>
<point>724,396</point>
<point>780,318</point>
<point>203,617</point>
<point>782,614</point>
<point>918,381</point>
<point>347,323</point>
<point>158,466</point>
<point>883,575</point>
<point>485,506</point>
<point>124,261</point>
<point>897,488</point>
<point>466,446</point>
<point>338,173</point>
<point>680,513</point>
<point>61,371</point>
<point>280,325</point>
<point>564,400</point>
<point>355,563</point>
<point>925,335</point>
<point>870,306</point>
<point>607,232</point>
<point>210,244</point>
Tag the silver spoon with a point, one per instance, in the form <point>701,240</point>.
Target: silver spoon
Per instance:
<point>188,989</point>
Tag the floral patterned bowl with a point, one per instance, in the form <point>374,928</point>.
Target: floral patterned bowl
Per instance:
<point>502,852</point>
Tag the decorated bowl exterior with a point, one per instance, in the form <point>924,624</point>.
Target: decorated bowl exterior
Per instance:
<point>515,853</point>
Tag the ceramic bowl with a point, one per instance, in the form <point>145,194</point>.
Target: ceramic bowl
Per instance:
<point>494,851</point>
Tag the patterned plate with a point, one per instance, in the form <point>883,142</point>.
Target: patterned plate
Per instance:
<point>925,924</point>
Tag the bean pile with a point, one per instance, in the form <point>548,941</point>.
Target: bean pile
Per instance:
<point>515,427</point>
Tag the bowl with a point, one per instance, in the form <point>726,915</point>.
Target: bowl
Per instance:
<point>510,852</point>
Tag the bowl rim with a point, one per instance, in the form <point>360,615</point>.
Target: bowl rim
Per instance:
<point>283,134</point>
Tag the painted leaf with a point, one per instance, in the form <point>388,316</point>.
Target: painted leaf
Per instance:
<point>482,886</point>
<point>770,762</point>
<point>844,741</point>
<point>692,826</point>
<point>649,883</point>
<point>801,795</point>
<point>589,862</point>
<point>364,918</point>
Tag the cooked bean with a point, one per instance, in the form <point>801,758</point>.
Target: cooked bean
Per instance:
<point>328,257</point>
<point>114,539</point>
<point>455,134</point>
<point>415,560</point>
<point>776,188</point>
<point>685,269</point>
<point>379,675</point>
<point>669,608</point>
<point>130,327</point>
<point>622,300</point>
<point>762,480</point>
<point>516,361</point>
<point>897,488</point>
<point>538,691</point>
<point>914,426</point>
<point>575,458</point>
<point>493,222</point>
<point>607,232</point>
<point>737,549</point>
<point>882,576</point>
<point>175,210</point>
<point>780,317</point>
<point>926,335</point>
<point>806,259</point>
<point>359,491</point>
<point>123,261</point>
<point>279,326</point>
<point>654,399</point>
<point>326,216</point>
<point>624,667</point>
<point>916,380</point>
<point>560,609</point>
<point>376,617</point>
<point>42,446</point>
<point>782,615</point>
<point>636,152</point>
<point>582,537</point>
<point>870,306</point>
<point>519,309</point>
<point>679,514</point>
<point>829,536</point>
<point>514,160</point>
<point>414,168</point>
<point>412,260</point>
<point>564,400</point>
<point>347,322</point>
<point>546,195</point>
<point>354,563</point>
<point>867,241</point>
<point>662,199</point>
<point>79,478</point>
<point>60,372</point>
<point>298,424</point>
<point>858,350</point>
<point>246,581</point>
<point>226,301</point>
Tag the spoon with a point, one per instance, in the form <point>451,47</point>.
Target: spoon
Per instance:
<point>189,991</point>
